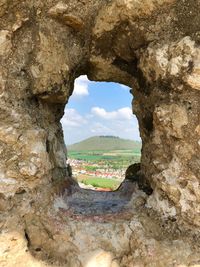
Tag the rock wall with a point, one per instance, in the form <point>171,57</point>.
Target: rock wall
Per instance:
<point>151,46</point>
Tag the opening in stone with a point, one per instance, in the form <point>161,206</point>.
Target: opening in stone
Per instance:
<point>101,135</point>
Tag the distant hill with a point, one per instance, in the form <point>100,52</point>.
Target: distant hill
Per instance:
<point>105,143</point>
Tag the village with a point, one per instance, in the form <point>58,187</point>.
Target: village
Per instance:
<point>101,169</point>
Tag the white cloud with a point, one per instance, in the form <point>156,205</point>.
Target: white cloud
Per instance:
<point>120,123</point>
<point>125,113</point>
<point>125,87</point>
<point>98,128</point>
<point>72,118</point>
<point>81,86</point>
<point>120,114</point>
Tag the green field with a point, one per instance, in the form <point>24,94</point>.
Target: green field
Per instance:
<point>116,159</point>
<point>102,183</point>
<point>104,153</point>
<point>98,154</point>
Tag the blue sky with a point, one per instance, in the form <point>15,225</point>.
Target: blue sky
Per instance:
<point>99,108</point>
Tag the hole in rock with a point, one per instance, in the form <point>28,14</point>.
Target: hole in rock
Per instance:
<point>101,135</point>
<point>38,249</point>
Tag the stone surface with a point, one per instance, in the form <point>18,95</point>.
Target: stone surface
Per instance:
<point>5,42</point>
<point>151,46</point>
<point>59,12</point>
<point>99,258</point>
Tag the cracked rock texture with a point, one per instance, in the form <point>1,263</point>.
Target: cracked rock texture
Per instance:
<point>153,46</point>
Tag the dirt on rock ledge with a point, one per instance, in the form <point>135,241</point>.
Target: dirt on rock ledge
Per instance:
<point>151,46</point>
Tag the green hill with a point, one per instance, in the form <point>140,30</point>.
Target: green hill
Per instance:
<point>105,143</point>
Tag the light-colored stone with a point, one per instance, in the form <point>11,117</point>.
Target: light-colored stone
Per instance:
<point>172,60</point>
<point>14,252</point>
<point>172,118</point>
<point>194,80</point>
<point>197,129</point>
<point>58,9</point>
<point>99,258</point>
<point>28,169</point>
<point>8,186</point>
<point>50,63</point>
<point>9,134</point>
<point>5,43</point>
<point>114,264</point>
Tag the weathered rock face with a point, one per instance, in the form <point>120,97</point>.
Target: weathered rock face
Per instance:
<point>152,46</point>
<point>173,134</point>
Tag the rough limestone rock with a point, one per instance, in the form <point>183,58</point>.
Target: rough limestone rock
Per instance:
<point>153,46</point>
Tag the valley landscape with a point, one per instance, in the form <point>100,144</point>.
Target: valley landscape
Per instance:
<point>100,162</point>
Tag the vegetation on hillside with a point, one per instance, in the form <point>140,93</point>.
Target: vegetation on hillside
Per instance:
<point>102,182</point>
<point>106,143</point>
